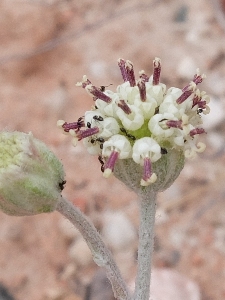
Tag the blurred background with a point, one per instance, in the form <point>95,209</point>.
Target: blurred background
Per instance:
<point>46,46</point>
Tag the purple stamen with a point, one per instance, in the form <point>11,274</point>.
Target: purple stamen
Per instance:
<point>184,96</point>
<point>157,71</point>
<point>197,131</point>
<point>142,89</point>
<point>147,170</point>
<point>121,64</point>
<point>123,105</point>
<point>197,79</point>
<point>98,93</point>
<point>130,73</point>
<point>174,124</point>
<point>197,101</point>
<point>110,163</point>
<point>82,134</point>
<point>74,125</point>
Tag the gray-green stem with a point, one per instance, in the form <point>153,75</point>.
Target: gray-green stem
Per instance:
<point>146,242</point>
<point>101,255</point>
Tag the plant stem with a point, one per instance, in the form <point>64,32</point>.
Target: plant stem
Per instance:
<point>146,242</point>
<point>101,255</point>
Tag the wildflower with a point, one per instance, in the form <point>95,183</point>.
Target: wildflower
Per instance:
<point>142,124</point>
<point>31,176</point>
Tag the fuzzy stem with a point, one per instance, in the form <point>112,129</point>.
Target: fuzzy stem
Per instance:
<point>101,255</point>
<point>146,241</point>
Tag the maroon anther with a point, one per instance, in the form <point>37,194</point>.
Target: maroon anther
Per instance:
<point>156,71</point>
<point>82,134</point>
<point>174,124</point>
<point>197,79</point>
<point>96,92</point>
<point>142,89</point>
<point>110,163</point>
<point>121,64</point>
<point>184,96</point>
<point>147,170</point>
<point>74,125</point>
<point>130,73</point>
<point>143,76</point>
<point>197,131</point>
<point>123,105</point>
<point>199,102</point>
<point>85,83</point>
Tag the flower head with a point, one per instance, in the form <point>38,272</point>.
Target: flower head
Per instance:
<point>142,121</point>
<point>31,176</point>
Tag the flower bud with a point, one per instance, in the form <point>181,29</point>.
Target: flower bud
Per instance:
<point>31,176</point>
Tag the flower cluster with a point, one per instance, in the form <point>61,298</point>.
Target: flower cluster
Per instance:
<point>142,120</point>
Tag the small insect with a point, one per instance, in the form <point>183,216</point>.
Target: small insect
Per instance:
<point>157,110</point>
<point>61,184</point>
<point>100,158</point>
<point>102,87</point>
<point>130,136</point>
<point>163,151</point>
<point>199,111</point>
<point>99,139</point>
<point>88,125</point>
<point>98,118</point>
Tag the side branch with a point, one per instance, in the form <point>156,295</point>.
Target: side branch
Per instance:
<point>101,255</point>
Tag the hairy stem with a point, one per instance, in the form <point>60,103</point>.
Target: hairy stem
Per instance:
<point>101,255</point>
<point>146,241</point>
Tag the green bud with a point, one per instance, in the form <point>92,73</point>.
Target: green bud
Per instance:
<point>167,169</point>
<point>31,176</point>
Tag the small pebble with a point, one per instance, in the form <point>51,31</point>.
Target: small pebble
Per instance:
<point>118,231</point>
<point>80,253</point>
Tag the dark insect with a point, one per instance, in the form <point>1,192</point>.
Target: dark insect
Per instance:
<point>88,125</point>
<point>163,151</point>
<point>199,111</point>
<point>100,140</point>
<point>130,136</point>
<point>98,118</point>
<point>102,163</point>
<point>102,87</point>
<point>157,110</point>
<point>61,184</point>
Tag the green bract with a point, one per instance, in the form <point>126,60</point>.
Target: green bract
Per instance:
<point>31,176</point>
<point>167,170</point>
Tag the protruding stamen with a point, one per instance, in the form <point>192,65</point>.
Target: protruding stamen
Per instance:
<point>148,177</point>
<point>143,76</point>
<point>142,89</point>
<point>174,124</point>
<point>130,73</point>
<point>121,64</point>
<point>110,163</point>
<point>98,93</point>
<point>147,169</point>
<point>197,131</point>
<point>85,81</point>
<point>123,105</point>
<point>187,91</point>
<point>198,77</point>
<point>82,134</point>
<point>157,71</point>
<point>74,125</point>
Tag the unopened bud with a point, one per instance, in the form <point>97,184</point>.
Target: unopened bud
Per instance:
<point>31,176</point>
